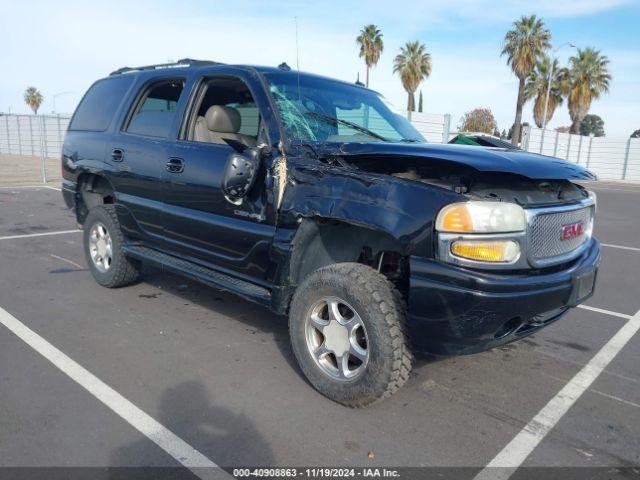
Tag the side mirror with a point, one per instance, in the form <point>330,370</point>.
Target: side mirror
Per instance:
<point>240,173</point>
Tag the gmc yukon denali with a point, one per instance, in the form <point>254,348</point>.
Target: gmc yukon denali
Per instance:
<point>315,198</point>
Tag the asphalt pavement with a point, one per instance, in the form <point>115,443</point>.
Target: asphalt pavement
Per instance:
<point>218,373</point>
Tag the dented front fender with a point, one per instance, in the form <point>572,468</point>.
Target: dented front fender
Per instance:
<point>404,210</point>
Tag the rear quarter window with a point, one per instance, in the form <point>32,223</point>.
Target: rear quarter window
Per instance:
<point>98,106</point>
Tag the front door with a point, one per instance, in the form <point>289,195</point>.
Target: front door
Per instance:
<point>199,222</point>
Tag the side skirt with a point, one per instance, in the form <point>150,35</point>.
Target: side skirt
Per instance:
<point>250,291</point>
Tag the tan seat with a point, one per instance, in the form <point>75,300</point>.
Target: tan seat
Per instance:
<point>220,122</point>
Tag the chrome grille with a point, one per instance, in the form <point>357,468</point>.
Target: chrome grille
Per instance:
<point>545,233</point>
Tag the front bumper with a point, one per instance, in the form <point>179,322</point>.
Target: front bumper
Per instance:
<point>68,189</point>
<point>455,310</point>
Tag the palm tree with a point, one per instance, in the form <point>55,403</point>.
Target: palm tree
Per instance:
<point>413,63</point>
<point>589,77</point>
<point>523,45</point>
<point>371,46</point>
<point>537,85</point>
<point>33,98</point>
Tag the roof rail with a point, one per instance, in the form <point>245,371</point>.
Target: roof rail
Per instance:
<point>185,62</point>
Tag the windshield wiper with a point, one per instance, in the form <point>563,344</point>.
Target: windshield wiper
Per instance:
<point>338,121</point>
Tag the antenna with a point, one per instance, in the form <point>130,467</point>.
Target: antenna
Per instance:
<point>298,61</point>
<point>297,54</point>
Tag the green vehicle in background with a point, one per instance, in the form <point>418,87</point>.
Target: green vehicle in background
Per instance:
<point>481,140</point>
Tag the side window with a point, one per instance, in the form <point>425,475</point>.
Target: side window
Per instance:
<point>155,111</point>
<point>249,118</point>
<point>225,110</point>
<point>100,103</point>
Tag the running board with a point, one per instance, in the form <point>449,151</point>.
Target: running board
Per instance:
<point>199,273</point>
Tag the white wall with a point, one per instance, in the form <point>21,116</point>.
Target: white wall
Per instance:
<point>614,158</point>
<point>608,157</point>
<point>42,135</point>
<point>434,127</point>
<point>39,136</point>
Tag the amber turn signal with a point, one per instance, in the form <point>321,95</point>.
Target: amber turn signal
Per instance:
<point>503,251</point>
<point>481,217</point>
<point>457,219</point>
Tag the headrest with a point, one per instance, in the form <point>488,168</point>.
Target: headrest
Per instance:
<point>222,119</point>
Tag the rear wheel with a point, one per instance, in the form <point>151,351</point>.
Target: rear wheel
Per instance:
<point>347,331</point>
<point>103,242</point>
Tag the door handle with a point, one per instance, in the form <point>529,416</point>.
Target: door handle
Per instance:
<point>117,154</point>
<point>175,165</point>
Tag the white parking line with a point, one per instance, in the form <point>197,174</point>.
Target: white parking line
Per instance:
<point>622,247</point>
<point>621,190</point>
<point>517,451</point>
<point>602,310</point>
<point>145,424</point>
<point>70,262</point>
<point>617,399</point>
<point>30,186</point>
<point>43,234</point>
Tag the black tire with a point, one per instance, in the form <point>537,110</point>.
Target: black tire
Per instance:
<point>122,270</point>
<point>381,309</point>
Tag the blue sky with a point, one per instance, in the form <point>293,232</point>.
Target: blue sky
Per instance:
<point>65,46</point>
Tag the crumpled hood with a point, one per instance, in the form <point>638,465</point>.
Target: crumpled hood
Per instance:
<point>520,162</point>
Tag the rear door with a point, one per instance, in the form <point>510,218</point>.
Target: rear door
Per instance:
<point>138,151</point>
<point>199,221</point>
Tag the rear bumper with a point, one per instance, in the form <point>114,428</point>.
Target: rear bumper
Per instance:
<point>454,310</point>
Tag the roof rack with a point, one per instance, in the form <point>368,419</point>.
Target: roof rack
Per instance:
<point>185,62</point>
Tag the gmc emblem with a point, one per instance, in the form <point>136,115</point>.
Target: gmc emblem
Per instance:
<point>572,230</point>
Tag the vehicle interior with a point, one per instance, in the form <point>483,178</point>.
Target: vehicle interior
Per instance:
<point>155,111</point>
<point>225,110</point>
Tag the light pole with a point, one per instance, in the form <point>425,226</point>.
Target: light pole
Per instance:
<point>58,95</point>
<point>550,79</point>
<point>546,100</point>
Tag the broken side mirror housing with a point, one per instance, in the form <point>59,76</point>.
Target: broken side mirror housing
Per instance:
<point>240,173</point>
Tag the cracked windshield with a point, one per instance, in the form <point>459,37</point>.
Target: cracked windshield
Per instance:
<point>321,110</point>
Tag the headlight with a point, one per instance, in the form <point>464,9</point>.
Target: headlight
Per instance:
<point>481,217</point>
<point>499,251</point>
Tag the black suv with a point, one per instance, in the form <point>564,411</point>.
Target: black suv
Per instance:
<point>314,198</point>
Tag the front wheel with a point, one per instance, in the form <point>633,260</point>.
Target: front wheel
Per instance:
<point>346,324</point>
<point>103,249</point>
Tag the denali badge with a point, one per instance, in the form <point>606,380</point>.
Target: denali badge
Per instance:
<point>572,230</point>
